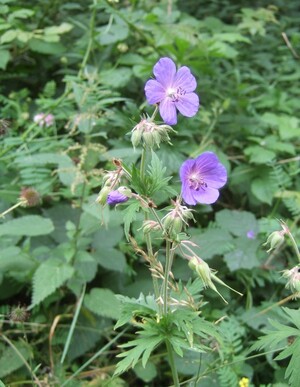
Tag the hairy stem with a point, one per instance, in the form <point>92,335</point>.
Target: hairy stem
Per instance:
<point>172,364</point>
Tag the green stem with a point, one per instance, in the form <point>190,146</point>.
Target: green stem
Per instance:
<point>172,363</point>
<point>21,203</point>
<point>168,265</point>
<point>295,246</point>
<point>91,38</point>
<point>147,236</point>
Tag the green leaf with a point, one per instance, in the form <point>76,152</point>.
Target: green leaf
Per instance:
<point>129,215</point>
<point>113,33</point>
<point>10,361</point>
<point>103,302</point>
<point>111,259</point>
<point>48,277</point>
<point>9,36</point>
<point>42,47</point>
<point>213,242</point>
<point>30,225</point>
<point>264,187</point>
<point>293,370</point>
<point>147,373</point>
<point>58,30</point>
<point>14,260</point>
<point>244,255</point>
<point>4,58</point>
<point>259,155</point>
<point>237,223</point>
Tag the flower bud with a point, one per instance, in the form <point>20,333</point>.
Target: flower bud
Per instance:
<point>102,196</point>
<point>275,239</point>
<point>121,195</point>
<point>136,138</point>
<point>150,225</point>
<point>293,277</point>
<point>207,275</point>
<point>151,133</point>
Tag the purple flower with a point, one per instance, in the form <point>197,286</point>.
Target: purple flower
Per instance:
<point>201,179</point>
<point>172,90</point>
<point>250,234</point>
<point>115,197</point>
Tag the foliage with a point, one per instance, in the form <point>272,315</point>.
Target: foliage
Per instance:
<point>86,63</point>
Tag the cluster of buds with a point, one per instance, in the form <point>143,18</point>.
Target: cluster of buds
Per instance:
<point>150,133</point>
<point>150,225</point>
<point>293,277</point>
<point>109,194</point>
<point>43,119</point>
<point>207,275</point>
<point>174,221</point>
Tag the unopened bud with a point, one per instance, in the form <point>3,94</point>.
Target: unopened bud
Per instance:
<point>136,138</point>
<point>275,239</point>
<point>102,196</point>
<point>293,277</point>
<point>121,195</point>
<point>150,225</point>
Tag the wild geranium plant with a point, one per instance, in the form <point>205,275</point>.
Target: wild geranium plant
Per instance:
<point>170,316</point>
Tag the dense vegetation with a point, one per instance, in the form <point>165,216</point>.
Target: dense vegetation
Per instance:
<point>72,89</point>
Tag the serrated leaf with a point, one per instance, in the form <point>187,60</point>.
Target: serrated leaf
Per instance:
<point>129,215</point>
<point>30,225</point>
<point>48,277</point>
<point>214,242</point>
<point>13,259</point>
<point>264,187</point>
<point>103,302</point>
<point>259,154</point>
<point>243,256</point>
<point>237,222</point>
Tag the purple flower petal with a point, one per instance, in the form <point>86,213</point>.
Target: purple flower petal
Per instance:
<point>188,104</point>
<point>154,91</point>
<point>208,196</point>
<point>164,71</point>
<point>172,90</point>
<point>185,79</point>
<point>115,197</point>
<point>167,111</point>
<point>201,178</point>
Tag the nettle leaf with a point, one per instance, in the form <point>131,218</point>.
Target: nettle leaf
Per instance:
<point>110,258</point>
<point>48,277</point>
<point>243,256</point>
<point>259,154</point>
<point>264,187</point>
<point>103,302</point>
<point>14,260</point>
<point>30,225</point>
<point>237,222</point>
<point>213,242</point>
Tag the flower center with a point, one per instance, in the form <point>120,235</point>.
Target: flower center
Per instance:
<point>175,94</point>
<point>196,182</point>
